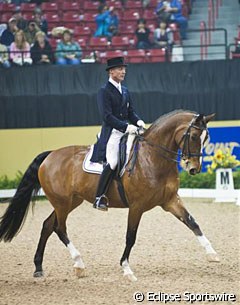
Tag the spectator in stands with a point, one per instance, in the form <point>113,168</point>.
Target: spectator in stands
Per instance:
<point>114,23</point>
<point>41,51</point>
<point>103,21</point>
<point>171,11</point>
<point>20,50</point>
<point>4,57</point>
<point>163,36</point>
<point>40,20</point>
<point>21,22</point>
<point>31,31</point>
<point>68,52</point>
<point>142,33</point>
<point>8,35</point>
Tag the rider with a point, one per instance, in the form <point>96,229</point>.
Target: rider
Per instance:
<point>118,116</point>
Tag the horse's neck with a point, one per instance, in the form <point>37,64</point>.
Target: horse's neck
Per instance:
<point>163,135</point>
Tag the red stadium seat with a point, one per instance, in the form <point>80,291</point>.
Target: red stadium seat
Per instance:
<point>98,43</point>
<point>156,55</point>
<point>70,19</point>
<point>130,16</point>
<point>81,30</point>
<point>7,8</point>
<point>127,29</point>
<point>136,5</point>
<point>117,4</point>
<point>136,56</point>
<point>103,56</point>
<point>70,7</point>
<point>150,16</point>
<point>82,42</point>
<point>28,7</point>
<point>91,6</point>
<point>5,17</point>
<point>89,18</point>
<point>49,7</point>
<point>120,42</point>
<point>52,19</point>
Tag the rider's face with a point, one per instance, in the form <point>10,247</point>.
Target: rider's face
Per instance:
<point>118,74</point>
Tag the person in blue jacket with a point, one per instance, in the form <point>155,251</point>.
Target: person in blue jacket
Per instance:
<point>106,20</point>
<point>171,11</point>
<point>118,116</point>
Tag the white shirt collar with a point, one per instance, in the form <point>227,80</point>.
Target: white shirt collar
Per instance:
<point>115,84</point>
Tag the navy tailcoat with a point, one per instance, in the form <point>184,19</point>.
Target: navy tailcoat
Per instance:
<point>116,111</point>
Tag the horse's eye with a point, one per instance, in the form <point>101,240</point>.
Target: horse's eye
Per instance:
<point>194,137</point>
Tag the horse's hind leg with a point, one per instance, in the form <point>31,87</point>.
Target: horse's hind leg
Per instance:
<point>47,229</point>
<point>61,231</point>
<point>177,209</point>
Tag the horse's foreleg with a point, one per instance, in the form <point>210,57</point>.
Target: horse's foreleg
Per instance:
<point>134,217</point>
<point>47,229</point>
<point>61,231</point>
<point>178,210</point>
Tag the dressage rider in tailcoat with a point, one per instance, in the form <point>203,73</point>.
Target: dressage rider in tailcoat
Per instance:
<point>118,116</point>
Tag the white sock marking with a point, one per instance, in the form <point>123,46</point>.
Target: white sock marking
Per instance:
<point>126,268</point>
<point>75,256</point>
<point>205,243</point>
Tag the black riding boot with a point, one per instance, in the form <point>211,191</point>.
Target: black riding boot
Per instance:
<point>101,201</point>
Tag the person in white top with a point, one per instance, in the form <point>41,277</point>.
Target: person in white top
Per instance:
<point>118,116</point>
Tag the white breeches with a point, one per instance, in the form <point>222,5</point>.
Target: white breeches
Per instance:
<point>113,147</point>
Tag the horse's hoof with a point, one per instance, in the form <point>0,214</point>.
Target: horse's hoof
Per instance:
<point>80,272</point>
<point>130,277</point>
<point>213,257</point>
<point>38,274</point>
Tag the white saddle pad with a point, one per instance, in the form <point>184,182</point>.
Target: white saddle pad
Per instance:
<point>97,168</point>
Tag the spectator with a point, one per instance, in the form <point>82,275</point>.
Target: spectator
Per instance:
<point>171,11</point>
<point>163,36</point>
<point>68,51</point>
<point>20,50</point>
<point>114,23</point>
<point>4,57</point>
<point>142,34</point>
<point>8,35</point>
<point>40,20</point>
<point>30,32</point>
<point>21,22</point>
<point>103,21</point>
<point>41,51</point>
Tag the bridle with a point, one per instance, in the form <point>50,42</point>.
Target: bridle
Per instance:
<point>185,139</point>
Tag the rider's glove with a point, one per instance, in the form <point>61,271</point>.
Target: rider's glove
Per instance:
<point>132,129</point>
<point>140,123</point>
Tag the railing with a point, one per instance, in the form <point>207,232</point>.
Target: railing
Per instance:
<point>203,40</point>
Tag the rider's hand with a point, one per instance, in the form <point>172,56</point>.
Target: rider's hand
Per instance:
<point>132,129</point>
<point>140,123</point>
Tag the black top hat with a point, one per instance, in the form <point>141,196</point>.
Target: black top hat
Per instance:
<point>115,62</point>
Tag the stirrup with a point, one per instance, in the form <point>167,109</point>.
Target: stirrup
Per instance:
<point>101,203</point>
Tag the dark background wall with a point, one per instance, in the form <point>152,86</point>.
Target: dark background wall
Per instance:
<point>66,96</point>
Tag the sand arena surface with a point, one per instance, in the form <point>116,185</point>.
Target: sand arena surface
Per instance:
<point>166,257</point>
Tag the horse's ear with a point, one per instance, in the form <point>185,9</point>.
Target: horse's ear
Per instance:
<point>209,117</point>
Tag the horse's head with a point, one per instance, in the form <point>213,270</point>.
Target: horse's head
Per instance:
<point>191,140</point>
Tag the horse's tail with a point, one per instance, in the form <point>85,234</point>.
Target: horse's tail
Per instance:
<point>13,218</point>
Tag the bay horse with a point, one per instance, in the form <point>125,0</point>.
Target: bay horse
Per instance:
<point>153,182</point>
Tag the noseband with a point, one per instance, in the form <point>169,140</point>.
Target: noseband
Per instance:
<point>185,153</point>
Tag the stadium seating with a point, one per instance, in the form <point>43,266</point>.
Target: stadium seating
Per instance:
<point>136,56</point>
<point>156,55</point>
<point>120,42</point>
<point>27,7</point>
<point>49,7</point>
<point>98,43</point>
